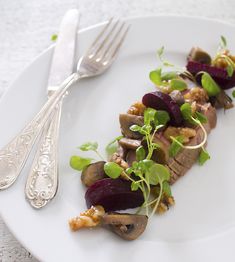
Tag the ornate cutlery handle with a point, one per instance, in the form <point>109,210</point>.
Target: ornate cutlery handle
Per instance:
<point>42,181</point>
<point>14,155</point>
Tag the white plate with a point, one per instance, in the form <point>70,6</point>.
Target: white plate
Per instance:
<point>198,228</point>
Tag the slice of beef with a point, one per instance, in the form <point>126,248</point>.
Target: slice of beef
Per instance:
<point>161,155</point>
<point>174,177</point>
<point>210,112</point>
<point>126,121</point>
<point>183,161</point>
<point>129,143</point>
<point>179,169</point>
<point>187,157</point>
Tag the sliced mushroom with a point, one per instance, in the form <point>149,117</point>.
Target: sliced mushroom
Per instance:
<point>93,173</point>
<point>199,55</point>
<point>127,226</point>
<point>129,143</point>
<point>130,157</point>
<point>126,121</point>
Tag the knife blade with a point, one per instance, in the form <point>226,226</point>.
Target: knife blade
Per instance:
<point>63,56</point>
<point>42,182</point>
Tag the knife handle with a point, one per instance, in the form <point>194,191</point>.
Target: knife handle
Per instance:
<point>42,181</point>
<point>14,155</point>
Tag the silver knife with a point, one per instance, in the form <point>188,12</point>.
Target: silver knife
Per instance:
<point>42,181</point>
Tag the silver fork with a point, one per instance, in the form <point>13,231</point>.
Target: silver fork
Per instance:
<point>99,57</point>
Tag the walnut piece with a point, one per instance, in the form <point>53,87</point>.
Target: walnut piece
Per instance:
<point>221,61</point>
<point>196,94</point>
<point>165,204</point>
<point>137,109</point>
<point>90,218</point>
<point>186,132</point>
<point>122,163</point>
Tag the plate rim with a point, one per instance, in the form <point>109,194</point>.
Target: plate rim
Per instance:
<point>81,31</point>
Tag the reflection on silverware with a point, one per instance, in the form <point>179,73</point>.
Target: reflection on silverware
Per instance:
<point>96,61</point>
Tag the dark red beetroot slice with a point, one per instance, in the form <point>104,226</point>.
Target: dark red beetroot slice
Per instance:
<point>113,195</point>
<point>218,74</point>
<point>161,101</point>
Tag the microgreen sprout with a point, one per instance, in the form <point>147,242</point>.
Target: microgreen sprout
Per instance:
<point>203,157</point>
<point>78,162</point>
<point>223,54</point>
<point>233,93</point>
<point>91,146</point>
<point>167,81</point>
<point>177,142</point>
<point>112,170</point>
<point>209,84</point>
<point>147,172</point>
<point>112,146</point>
<point>54,37</point>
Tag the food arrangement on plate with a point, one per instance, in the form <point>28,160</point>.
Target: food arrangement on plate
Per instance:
<point>163,136</point>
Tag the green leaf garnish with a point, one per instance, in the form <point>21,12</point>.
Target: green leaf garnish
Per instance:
<point>230,70</point>
<point>233,93</point>
<point>176,145</point>
<point>112,170</point>
<point>135,128</point>
<point>203,157</point>
<point>186,111</point>
<point>161,117</point>
<point>149,115</point>
<point>79,163</point>
<point>165,76</point>
<point>153,175</point>
<point>140,153</point>
<point>157,173</point>
<point>202,118</point>
<point>166,188</point>
<point>112,146</point>
<point>89,146</point>
<point>178,84</point>
<point>54,37</point>
<point>223,42</point>
<point>134,186</point>
<point>160,52</point>
<point>155,76</point>
<point>210,86</point>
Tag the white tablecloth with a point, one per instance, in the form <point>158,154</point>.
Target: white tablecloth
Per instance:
<point>25,31</point>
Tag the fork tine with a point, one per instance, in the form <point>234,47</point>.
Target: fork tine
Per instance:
<point>105,39</point>
<point>119,44</point>
<point>101,33</point>
<point>113,40</point>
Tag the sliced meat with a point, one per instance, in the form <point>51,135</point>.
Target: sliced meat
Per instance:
<point>174,177</point>
<point>210,112</point>
<point>179,169</point>
<point>187,157</point>
<point>161,155</point>
<point>126,121</point>
<point>129,143</point>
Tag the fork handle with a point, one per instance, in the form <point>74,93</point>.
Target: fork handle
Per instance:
<point>42,181</point>
<point>14,155</point>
